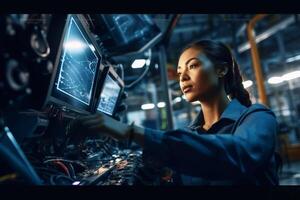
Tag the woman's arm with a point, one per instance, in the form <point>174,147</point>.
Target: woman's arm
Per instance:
<point>138,135</point>
<point>100,124</point>
<point>214,156</point>
<point>217,156</point>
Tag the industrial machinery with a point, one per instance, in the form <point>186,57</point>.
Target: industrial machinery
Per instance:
<point>53,69</point>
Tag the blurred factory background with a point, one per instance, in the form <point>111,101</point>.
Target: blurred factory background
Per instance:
<point>158,103</point>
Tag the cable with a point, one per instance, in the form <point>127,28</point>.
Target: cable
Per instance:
<point>49,171</point>
<point>55,180</point>
<point>71,170</point>
<point>107,149</point>
<point>65,160</point>
<point>122,70</point>
<point>66,170</point>
<point>144,73</point>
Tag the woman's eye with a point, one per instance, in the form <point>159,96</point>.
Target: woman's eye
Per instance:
<point>192,66</point>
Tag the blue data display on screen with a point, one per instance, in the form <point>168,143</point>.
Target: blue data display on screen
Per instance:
<point>109,96</point>
<point>128,27</point>
<point>78,65</point>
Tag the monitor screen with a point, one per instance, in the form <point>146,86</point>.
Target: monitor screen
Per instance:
<point>130,27</point>
<point>77,66</point>
<point>128,33</point>
<point>109,95</point>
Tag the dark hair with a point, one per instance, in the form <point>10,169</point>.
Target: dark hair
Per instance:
<point>220,54</point>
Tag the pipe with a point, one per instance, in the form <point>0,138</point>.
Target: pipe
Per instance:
<point>170,29</point>
<point>256,60</point>
<point>269,32</point>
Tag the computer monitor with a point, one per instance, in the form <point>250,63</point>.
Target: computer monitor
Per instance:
<point>77,67</point>
<point>127,33</point>
<point>110,93</point>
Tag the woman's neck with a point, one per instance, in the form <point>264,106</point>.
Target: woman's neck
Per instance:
<point>212,109</point>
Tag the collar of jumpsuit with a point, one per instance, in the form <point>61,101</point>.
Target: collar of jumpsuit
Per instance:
<point>232,113</point>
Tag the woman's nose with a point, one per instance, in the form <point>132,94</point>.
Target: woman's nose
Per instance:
<point>184,76</point>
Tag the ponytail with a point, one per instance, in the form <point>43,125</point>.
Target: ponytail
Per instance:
<point>237,89</point>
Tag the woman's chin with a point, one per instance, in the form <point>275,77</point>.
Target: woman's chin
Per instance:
<point>190,99</point>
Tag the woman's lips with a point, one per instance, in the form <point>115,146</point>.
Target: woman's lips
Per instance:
<point>187,89</point>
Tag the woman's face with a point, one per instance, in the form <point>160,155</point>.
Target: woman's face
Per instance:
<point>197,75</point>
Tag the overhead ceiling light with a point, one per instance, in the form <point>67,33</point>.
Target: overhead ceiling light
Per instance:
<point>291,75</point>
<point>161,104</point>
<point>285,77</point>
<point>292,59</point>
<point>177,100</point>
<point>247,83</point>
<point>286,112</point>
<point>138,63</point>
<point>275,80</point>
<point>147,106</point>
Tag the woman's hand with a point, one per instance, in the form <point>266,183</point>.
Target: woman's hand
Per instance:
<point>99,124</point>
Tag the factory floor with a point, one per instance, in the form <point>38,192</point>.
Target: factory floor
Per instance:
<point>290,174</point>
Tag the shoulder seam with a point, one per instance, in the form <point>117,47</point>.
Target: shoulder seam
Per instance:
<point>257,108</point>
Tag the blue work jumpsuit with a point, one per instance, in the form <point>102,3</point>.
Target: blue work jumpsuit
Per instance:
<point>239,149</point>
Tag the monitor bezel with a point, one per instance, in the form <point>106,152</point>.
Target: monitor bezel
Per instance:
<point>54,100</point>
<point>109,71</point>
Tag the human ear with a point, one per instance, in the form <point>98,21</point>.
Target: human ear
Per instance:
<point>222,71</point>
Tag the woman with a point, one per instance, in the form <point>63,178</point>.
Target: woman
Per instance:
<point>229,142</point>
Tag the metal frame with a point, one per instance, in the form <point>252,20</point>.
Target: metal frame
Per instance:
<point>164,81</point>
